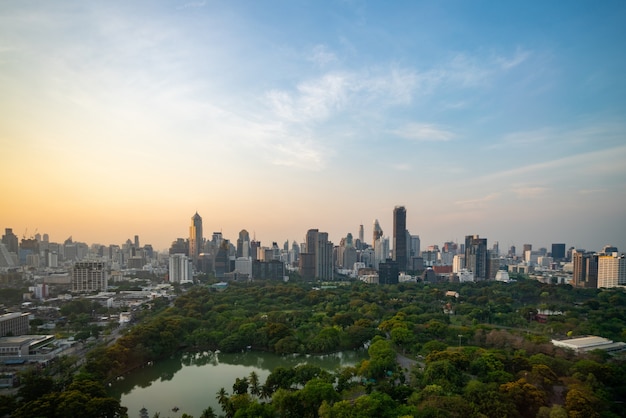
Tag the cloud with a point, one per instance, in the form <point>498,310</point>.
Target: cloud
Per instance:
<point>192,5</point>
<point>322,56</point>
<point>506,63</point>
<point>402,167</point>
<point>529,192</point>
<point>478,203</point>
<point>325,96</point>
<point>424,132</point>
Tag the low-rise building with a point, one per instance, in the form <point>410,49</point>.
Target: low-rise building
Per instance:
<point>589,343</point>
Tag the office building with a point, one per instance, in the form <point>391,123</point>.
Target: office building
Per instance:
<point>400,249</point>
<point>9,239</point>
<point>319,251</point>
<point>558,252</point>
<point>179,269</point>
<point>195,237</point>
<point>611,270</point>
<point>388,272</point>
<point>15,323</point>
<point>476,256</point>
<point>89,276</point>
<point>377,233</point>
<point>584,269</point>
<point>243,244</point>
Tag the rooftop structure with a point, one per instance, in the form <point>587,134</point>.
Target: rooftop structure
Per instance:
<point>589,343</point>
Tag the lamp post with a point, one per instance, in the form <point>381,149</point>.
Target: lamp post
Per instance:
<point>460,336</point>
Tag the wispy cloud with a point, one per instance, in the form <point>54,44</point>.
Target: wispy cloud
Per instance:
<point>478,203</point>
<point>506,63</point>
<point>333,92</point>
<point>322,56</point>
<point>402,167</point>
<point>529,192</point>
<point>424,132</point>
<point>192,5</point>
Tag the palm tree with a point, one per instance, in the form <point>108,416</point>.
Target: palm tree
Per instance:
<point>222,398</point>
<point>254,383</point>
<point>208,413</point>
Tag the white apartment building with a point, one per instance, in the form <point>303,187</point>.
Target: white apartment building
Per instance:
<point>611,270</point>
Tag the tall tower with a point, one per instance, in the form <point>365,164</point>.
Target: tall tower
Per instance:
<point>243,244</point>
<point>399,237</point>
<point>476,258</point>
<point>376,233</point>
<point>361,233</point>
<point>195,237</point>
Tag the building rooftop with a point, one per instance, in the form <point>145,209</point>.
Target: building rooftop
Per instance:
<point>589,343</point>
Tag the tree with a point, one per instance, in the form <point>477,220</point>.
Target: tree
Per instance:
<point>314,393</point>
<point>34,385</point>
<point>241,386</point>
<point>444,374</point>
<point>208,413</point>
<point>255,388</point>
<point>526,397</point>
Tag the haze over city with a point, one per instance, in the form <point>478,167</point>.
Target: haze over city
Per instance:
<point>499,119</point>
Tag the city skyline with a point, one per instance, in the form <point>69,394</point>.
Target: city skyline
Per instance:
<point>496,119</point>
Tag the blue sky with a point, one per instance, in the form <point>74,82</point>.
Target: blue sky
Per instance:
<point>504,119</point>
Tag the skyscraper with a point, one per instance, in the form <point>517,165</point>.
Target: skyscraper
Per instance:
<point>399,237</point>
<point>476,256</point>
<point>558,252</point>
<point>319,253</point>
<point>10,240</point>
<point>584,269</point>
<point>243,244</point>
<point>611,270</point>
<point>195,237</point>
<point>377,232</point>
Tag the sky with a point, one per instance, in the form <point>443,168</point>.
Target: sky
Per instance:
<point>503,119</point>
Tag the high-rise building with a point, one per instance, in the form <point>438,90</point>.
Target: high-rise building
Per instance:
<point>179,269</point>
<point>10,240</point>
<point>558,252</point>
<point>243,244</point>
<point>89,276</point>
<point>611,270</point>
<point>195,237</point>
<point>584,269</point>
<point>377,233</point>
<point>399,237</point>
<point>476,256</point>
<point>361,233</point>
<point>320,252</point>
<point>324,266</point>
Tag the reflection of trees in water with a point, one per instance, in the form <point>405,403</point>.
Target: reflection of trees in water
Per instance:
<point>143,377</point>
<point>200,359</point>
<point>165,370</point>
<point>269,362</point>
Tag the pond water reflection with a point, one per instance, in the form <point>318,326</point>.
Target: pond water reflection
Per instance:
<point>190,382</point>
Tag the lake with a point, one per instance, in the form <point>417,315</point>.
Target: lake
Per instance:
<point>191,381</point>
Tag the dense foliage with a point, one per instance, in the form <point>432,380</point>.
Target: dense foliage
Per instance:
<point>479,354</point>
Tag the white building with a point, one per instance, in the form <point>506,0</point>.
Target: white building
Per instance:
<point>458,263</point>
<point>180,269</point>
<point>584,344</point>
<point>89,276</point>
<point>244,265</point>
<point>503,276</point>
<point>466,275</point>
<point>611,270</point>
